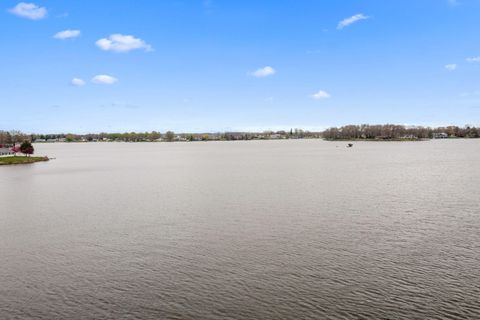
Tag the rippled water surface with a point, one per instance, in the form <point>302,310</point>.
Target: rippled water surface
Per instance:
<point>243,230</point>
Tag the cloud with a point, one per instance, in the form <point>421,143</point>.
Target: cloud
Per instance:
<point>453,2</point>
<point>104,79</point>
<point>473,59</point>
<point>451,67</point>
<point>122,43</point>
<point>67,34</point>
<point>264,72</point>
<point>77,82</point>
<point>320,95</point>
<point>29,11</point>
<point>349,21</point>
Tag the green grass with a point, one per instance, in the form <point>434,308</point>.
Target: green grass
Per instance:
<point>21,160</point>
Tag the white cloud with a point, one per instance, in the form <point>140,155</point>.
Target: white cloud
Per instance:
<point>29,11</point>
<point>451,67</point>
<point>453,2</point>
<point>104,79</point>
<point>473,59</point>
<point>320,95</point>
<point>264,72</point>
<point>349,21</point>
<point>67,34</point>
<point>122,43</point>
<point>77,82</point>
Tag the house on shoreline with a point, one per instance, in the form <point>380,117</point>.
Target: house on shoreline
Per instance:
<point>440,135</point>
<point>6,152</point>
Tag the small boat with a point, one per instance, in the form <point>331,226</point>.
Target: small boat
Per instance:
<point>349,145</point>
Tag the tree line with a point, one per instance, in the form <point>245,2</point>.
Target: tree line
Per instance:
<point>11,138</point>
<point>168,136</point>
<point>401,132</point>
<point>352,132</point>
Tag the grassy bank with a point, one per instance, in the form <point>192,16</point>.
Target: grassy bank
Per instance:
<point>20,160</point>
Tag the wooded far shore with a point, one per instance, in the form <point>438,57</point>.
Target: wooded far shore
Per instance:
<point>387,132</point>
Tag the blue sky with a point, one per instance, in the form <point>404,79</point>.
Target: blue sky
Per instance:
<point>217,65</point>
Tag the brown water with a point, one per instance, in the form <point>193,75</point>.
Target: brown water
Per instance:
<point>243,230</point>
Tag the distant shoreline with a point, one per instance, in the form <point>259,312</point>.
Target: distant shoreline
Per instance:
<point>364,132</point>
<point>263,139</point>
<point>388,140</point>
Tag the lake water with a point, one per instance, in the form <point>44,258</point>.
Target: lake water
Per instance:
<point>301,229</point>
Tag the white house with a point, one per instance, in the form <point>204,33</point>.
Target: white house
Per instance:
<point>441,135</point>
<point>6,152</point>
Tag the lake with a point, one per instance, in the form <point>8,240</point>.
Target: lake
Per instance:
<point>294,229</point>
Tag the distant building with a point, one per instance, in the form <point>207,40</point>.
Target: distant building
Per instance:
<point>409,137</point>
<point>440,135</point>
<point>276,136</point>
<point>6,152</point>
